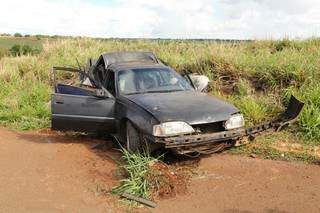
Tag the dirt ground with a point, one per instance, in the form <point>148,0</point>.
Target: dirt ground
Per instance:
<point>48,172</point>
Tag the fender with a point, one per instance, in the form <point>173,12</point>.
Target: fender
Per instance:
<point>141,118</point>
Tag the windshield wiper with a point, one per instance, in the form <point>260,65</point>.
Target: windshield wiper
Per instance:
<point>138,92</point>
<point>174,90</point>
<point>154,91</point>
<point>164,91</point>
<point>133,93</point>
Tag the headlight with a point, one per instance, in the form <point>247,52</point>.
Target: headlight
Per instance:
<point>235,121</point>
<point>172,128</point>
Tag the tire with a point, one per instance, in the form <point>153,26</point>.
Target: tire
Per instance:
<point>134,141</point>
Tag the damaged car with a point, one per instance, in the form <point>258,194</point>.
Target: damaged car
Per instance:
<point>146,105</point>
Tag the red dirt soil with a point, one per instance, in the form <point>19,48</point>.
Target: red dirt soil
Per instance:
<point>48,172</point>
<point>168,180</point>
<point>54,173</point>
<point>234,184</point>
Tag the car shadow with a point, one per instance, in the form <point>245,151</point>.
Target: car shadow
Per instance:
<point>104,146</point>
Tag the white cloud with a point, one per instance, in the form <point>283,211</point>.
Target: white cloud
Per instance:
<point>274,18</point>
<point>241,19</point>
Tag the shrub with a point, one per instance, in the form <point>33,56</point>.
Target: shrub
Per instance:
<point>19,50</point>
<point>17,35</point>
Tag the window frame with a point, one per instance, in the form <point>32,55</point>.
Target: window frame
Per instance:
<point>109,72</point>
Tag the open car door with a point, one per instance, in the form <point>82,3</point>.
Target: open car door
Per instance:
<point>81,109</point>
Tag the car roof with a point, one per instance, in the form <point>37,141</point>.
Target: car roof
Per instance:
<point>135,65</point>
<point>128,56</point>
<point>130,60</point>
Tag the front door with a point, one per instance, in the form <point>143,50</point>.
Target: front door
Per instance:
<point>81,112</point>
<point>79,109</point>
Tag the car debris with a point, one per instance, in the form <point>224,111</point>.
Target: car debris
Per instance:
<point>146,105</point>
<point>139,199</point>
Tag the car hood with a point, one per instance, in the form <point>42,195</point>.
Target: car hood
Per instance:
<point>189,106</point>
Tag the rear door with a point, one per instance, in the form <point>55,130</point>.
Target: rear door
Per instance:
<point>77,109</point>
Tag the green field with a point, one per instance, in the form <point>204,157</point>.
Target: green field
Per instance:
<point>28,45</point>
<point>258,77</point>
<point>7,42</point>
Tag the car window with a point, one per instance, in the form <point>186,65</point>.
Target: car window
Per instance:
<point>151,80</point>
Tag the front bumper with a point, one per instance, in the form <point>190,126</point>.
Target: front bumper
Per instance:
<point>212,142</point>
<point>217,141</point>
<point>200,139</point>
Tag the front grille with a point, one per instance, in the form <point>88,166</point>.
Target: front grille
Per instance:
<point>209,127</point>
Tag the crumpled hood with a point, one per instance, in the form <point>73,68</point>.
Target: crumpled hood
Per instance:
<point>189,106</point>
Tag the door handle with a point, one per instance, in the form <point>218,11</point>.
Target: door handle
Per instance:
<point>59,102</point>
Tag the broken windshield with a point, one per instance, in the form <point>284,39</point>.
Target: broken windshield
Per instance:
<point>150,80</point>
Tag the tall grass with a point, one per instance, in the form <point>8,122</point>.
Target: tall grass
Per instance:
<point>261,76</point>
<point>137,169</point>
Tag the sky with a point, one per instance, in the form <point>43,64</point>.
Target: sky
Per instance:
<point>208,19</point>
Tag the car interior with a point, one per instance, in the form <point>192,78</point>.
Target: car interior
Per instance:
<point>88,89</point>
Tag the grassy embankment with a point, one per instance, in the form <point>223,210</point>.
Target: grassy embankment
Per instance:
<point>258,77</point>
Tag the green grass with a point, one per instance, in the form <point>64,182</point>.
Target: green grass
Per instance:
<point>26,106</point>
<point>256,109</point>
<point>8,42</point>
<point>137,170</point>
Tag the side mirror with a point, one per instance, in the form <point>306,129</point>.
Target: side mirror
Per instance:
<point>200,82</point>
<point>101,93</point>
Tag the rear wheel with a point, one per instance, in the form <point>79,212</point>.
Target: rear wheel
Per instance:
<point>134,140</point>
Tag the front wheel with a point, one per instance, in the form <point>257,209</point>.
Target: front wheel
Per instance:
<point>134,141</point>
